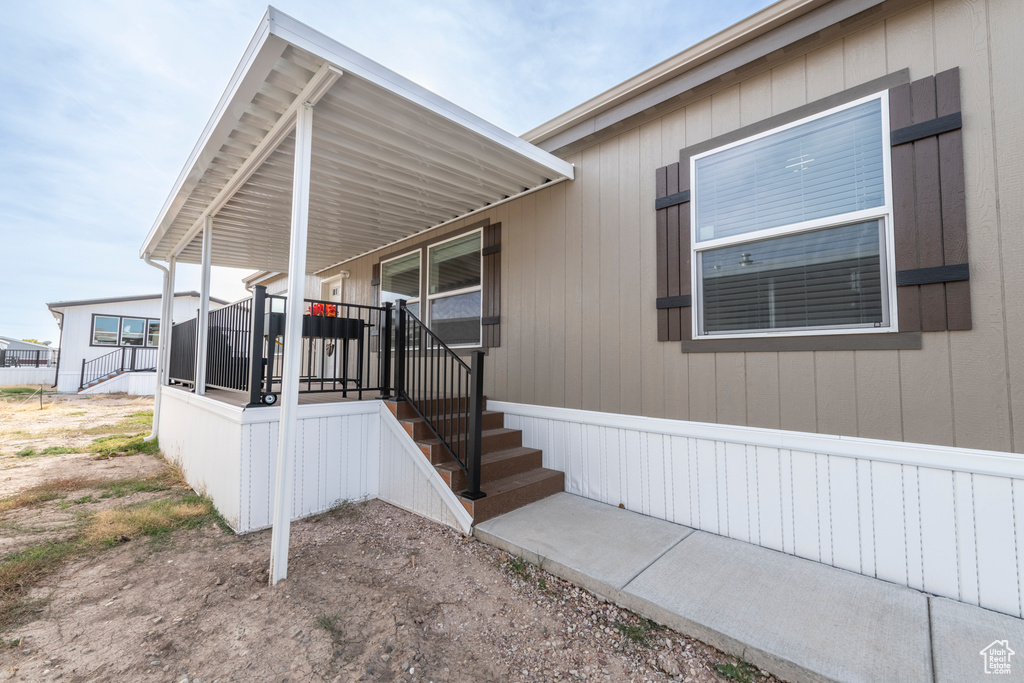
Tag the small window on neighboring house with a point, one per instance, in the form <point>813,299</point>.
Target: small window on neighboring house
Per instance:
<point>793,230</point>
<point>153,333</point>
<point>400,279</point>
<point>104,330</point>
<point>133,331</point>
<point>454,296</point>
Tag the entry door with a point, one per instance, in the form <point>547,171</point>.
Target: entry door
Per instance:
<point>332,290</point>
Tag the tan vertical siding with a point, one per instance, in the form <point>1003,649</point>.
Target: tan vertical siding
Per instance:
<point>978,359</point>
<point>652,352</point>
<point>578,317</point>
<point>1006,57</point>
<point>590,339</point>
<point>631,205</point>
<point>574,295</point>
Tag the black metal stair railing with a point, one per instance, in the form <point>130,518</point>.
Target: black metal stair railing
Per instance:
<point>443,390</point>
<point>118,361</point>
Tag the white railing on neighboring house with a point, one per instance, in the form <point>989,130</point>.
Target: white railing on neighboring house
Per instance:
<point>943,520</point>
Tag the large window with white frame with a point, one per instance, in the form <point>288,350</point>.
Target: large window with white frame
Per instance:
<point>400,279</point>
<point>454,289</point>
<point>444,280</point>
<point>792,229</point>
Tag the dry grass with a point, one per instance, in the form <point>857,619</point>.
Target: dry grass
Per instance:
<point>118,525</point>
<point>133,423</point>
<point>49,490</point>
<point>122,444</point>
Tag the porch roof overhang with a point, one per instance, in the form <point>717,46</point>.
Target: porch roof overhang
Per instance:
<point>390,159</point>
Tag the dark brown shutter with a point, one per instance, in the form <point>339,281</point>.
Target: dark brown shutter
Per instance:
<point>929,213</point>
<point>672,186</point>
<point>491,286</point>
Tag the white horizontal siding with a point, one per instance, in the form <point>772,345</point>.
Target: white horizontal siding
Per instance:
<point>14,376</point>
<point>937,519</point>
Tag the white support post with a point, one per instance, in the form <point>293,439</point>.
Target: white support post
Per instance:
<point>289,399</point>
<point>168,323</point>
<point>203,326</point>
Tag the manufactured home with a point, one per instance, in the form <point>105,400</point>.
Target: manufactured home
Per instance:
<point>110,345</point>
<point>25,362</point>
<point>764,289</point>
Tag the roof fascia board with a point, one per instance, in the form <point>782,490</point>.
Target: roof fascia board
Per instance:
<point>10,340</point>
<point>259,276</point>
<point>60,305</point>
<point>725,52</point>
<point>352,62</point>
<point>318,85</point>
<point>256,64</point>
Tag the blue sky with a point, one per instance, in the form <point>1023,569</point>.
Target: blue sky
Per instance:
<point>102,101</point>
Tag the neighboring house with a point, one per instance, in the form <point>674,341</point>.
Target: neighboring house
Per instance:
<point>23,362</point>
<point>110,345</point>
<point>21,353</point>
<point>763,289</point>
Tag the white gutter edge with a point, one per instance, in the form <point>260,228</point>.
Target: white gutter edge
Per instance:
<point>160,369</point>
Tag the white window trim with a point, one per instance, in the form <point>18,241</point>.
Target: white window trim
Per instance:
<point>419,279</point>
<point>425,310</point>
<point>882,213</point>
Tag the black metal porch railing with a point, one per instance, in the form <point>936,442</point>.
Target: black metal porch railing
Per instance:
<point>443,390</point>
<point>118,361</point>
<point>182,365</point>
<point>26,358</point>
<point>228,346</point>
<point>336,348</point>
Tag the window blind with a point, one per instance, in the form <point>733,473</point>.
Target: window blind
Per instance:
<point>829,277</point>
<point>826,167</point>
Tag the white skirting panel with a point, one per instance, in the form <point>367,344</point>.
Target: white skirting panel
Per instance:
<point>134,383</point>
<point>409,481</point>
<point>943,520</point>
<point>230,454</point>
<point>336,459</point>
<point>203,437</point>
<point>10,377</point>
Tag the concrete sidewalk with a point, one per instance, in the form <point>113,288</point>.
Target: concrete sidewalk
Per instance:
<point>801,620</point>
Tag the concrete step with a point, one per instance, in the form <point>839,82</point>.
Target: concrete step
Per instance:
<point>493,466</point>
<point>510,493</point>
<point>418,429</point>
<point>491,440</point>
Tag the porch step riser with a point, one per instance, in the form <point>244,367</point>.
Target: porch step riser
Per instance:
<point>494,470</point>
<point>489,443</point>
<point>403,410</point>
<point>418,429</point>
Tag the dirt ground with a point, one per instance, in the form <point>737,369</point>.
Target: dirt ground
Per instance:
<point>373,594</point>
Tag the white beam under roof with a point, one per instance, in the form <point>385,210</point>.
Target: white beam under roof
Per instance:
<point>390,159</point>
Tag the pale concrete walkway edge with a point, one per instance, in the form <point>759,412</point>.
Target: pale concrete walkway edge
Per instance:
<point>798,619</point>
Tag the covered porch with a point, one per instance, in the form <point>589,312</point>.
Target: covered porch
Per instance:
<point>314,156</point>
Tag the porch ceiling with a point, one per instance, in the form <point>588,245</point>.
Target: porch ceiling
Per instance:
<point>390,159</point>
